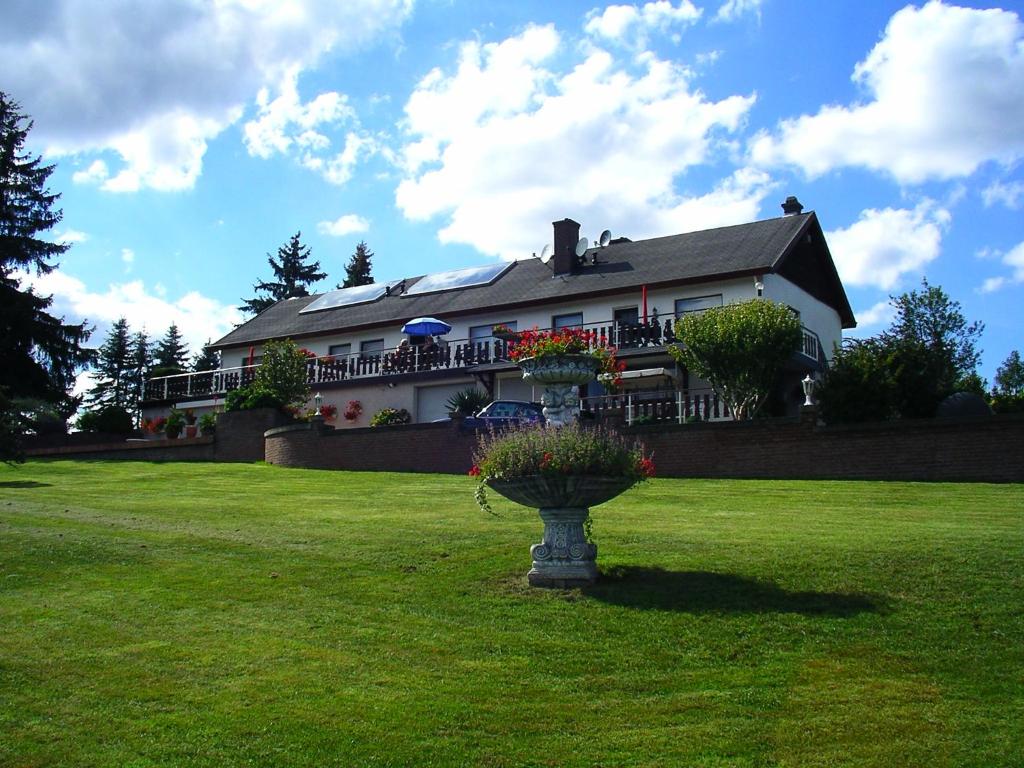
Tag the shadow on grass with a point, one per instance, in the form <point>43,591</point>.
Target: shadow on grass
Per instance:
<point>24,484</point>
<point>706,592</point>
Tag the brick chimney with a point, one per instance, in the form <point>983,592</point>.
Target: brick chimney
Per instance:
<point>792,206</point>
<point>567,234</point>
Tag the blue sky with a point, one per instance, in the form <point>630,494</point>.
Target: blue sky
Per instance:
<point>192,138</point>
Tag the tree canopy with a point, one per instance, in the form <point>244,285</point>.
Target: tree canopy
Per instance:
<point>357,271</point>
<point>739,349</point>
<point>41,353</point>
<point>170,356</point>
<point>292,272</point>
<point>112,374</point>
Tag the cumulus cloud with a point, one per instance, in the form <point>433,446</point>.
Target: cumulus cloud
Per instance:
<point>1014,259</point>
<point>506,142</point>
<point>631,24</point>
<point>96,173</point>
<point>155,81</point>
<point>875,316</point>
<point>731,10</point>
<point>883,245</point>
<point>198,317</point>
<point>344,225</point>
<point>944,97</point>
<point>1010,194</point>
<point>70,237</point>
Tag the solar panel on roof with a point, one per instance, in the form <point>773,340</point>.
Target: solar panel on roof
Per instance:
<point>459,278</point>
<point>346,297</point>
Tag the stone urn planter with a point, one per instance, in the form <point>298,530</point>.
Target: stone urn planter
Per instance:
<point>560,375</point>
<point>564,557</point>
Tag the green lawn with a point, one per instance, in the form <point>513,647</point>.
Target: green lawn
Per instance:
<point>222,615</point>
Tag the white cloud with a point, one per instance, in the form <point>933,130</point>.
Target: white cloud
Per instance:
<point>198,317</point>
<point>503,145</point>
<point>875,316</point>
<point>630,24</point>
<point>1009,194</point>
<point>731,10</point>
<point>1014,259</point>
<point>155,82</point>
<point>127,255</point>
<point>945,97</point>
<point>883,245</point>
<point>96,173</point>
<point>343,225</point>
<point>70,237</point>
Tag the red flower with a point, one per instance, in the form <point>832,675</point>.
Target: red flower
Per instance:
<point>646,467</point>
<point>474,471</point>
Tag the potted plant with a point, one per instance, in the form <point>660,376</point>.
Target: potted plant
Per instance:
<point>191,430</point>
<point>329,412</point>
<point>562,472</point>
<point>503,332</point>
<point>174,424</point>
<point>561,360</point>
<point>389,416</point>
<point>352,410</point>
<point>208,423</point>
<point>152,428</point>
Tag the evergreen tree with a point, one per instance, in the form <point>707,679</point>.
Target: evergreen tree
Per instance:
<point>41,354</point>
<point>292,274</point>
<point>113,369</point>
<point>140,360</point>
<point>171,354</point>
<point>357,271</point>
<point>1010,376</point>
<point>207,360</point>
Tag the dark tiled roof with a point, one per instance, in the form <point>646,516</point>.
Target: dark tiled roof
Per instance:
<point>691,257</point>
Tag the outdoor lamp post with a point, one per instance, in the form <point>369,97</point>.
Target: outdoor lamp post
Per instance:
<point>318,400</point>
<point>808,385</point>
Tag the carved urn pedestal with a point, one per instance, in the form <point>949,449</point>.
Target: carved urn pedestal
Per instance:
<point>564,558</point>
<point>560,375</point>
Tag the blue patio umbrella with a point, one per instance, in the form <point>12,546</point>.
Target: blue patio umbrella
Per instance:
<point>426,326</point>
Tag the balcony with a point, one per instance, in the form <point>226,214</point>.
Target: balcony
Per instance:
<point>459,355</point>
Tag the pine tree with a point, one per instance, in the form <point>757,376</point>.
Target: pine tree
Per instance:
<point>292,275</point>
<point>113,369</point>
<point>207,360</point>
<point>171,354</point>
<point>41,354</point>
<point>357,271</point>
<point>140,361</point>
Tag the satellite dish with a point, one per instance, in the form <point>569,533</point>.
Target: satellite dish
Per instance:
<point>606,237</point>
<point>545,254</point>
<point>581,246</point>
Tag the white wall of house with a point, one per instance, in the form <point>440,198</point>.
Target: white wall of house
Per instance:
<point>814,314</point>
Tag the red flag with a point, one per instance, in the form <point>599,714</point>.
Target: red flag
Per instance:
<point>252,350</point>
<point>645,304</point>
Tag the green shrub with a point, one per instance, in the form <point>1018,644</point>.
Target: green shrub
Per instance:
<point>208,423</point>
<point>175,423</point>
<point>113,419</point>
<point>739,349</point>
<point>251,396</point>
<point>388,416</point>
<point>284,373</point>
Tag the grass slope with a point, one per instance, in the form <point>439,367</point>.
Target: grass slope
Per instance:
<point>222,615</point>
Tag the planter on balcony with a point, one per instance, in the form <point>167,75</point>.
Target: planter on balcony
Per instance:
<point>564,557</point>
<point>560,375</point>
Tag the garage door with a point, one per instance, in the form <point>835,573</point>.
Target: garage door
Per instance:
<point>432,402</point>
<point>516,389</point>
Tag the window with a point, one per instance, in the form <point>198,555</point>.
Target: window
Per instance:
<point>479,333</point>
<point>575,320</point>
<point>697,304</point>
<point>372,348</point>
<point>255,361</point>
<point>626,316</point>
<point>340,350</point>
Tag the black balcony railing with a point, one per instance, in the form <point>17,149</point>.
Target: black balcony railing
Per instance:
<point>461,354</point>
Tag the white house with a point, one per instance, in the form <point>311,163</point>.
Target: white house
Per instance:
<point>355,333</point>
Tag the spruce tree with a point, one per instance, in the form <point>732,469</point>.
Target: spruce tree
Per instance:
<point>113,369</point>
<point>140,360</point>
<point>171,354</point>
<point>207,360</point>
<point>357,271</point>
<point>292,274</point>
<point>41,353</point>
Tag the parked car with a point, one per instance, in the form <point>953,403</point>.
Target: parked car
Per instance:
<point>506,413</point>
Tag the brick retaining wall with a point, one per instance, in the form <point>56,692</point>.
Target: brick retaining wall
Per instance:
<point>977,450</point>
<point>182,449</point>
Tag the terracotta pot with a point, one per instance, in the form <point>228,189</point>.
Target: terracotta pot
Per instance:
<point>191,430</point>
